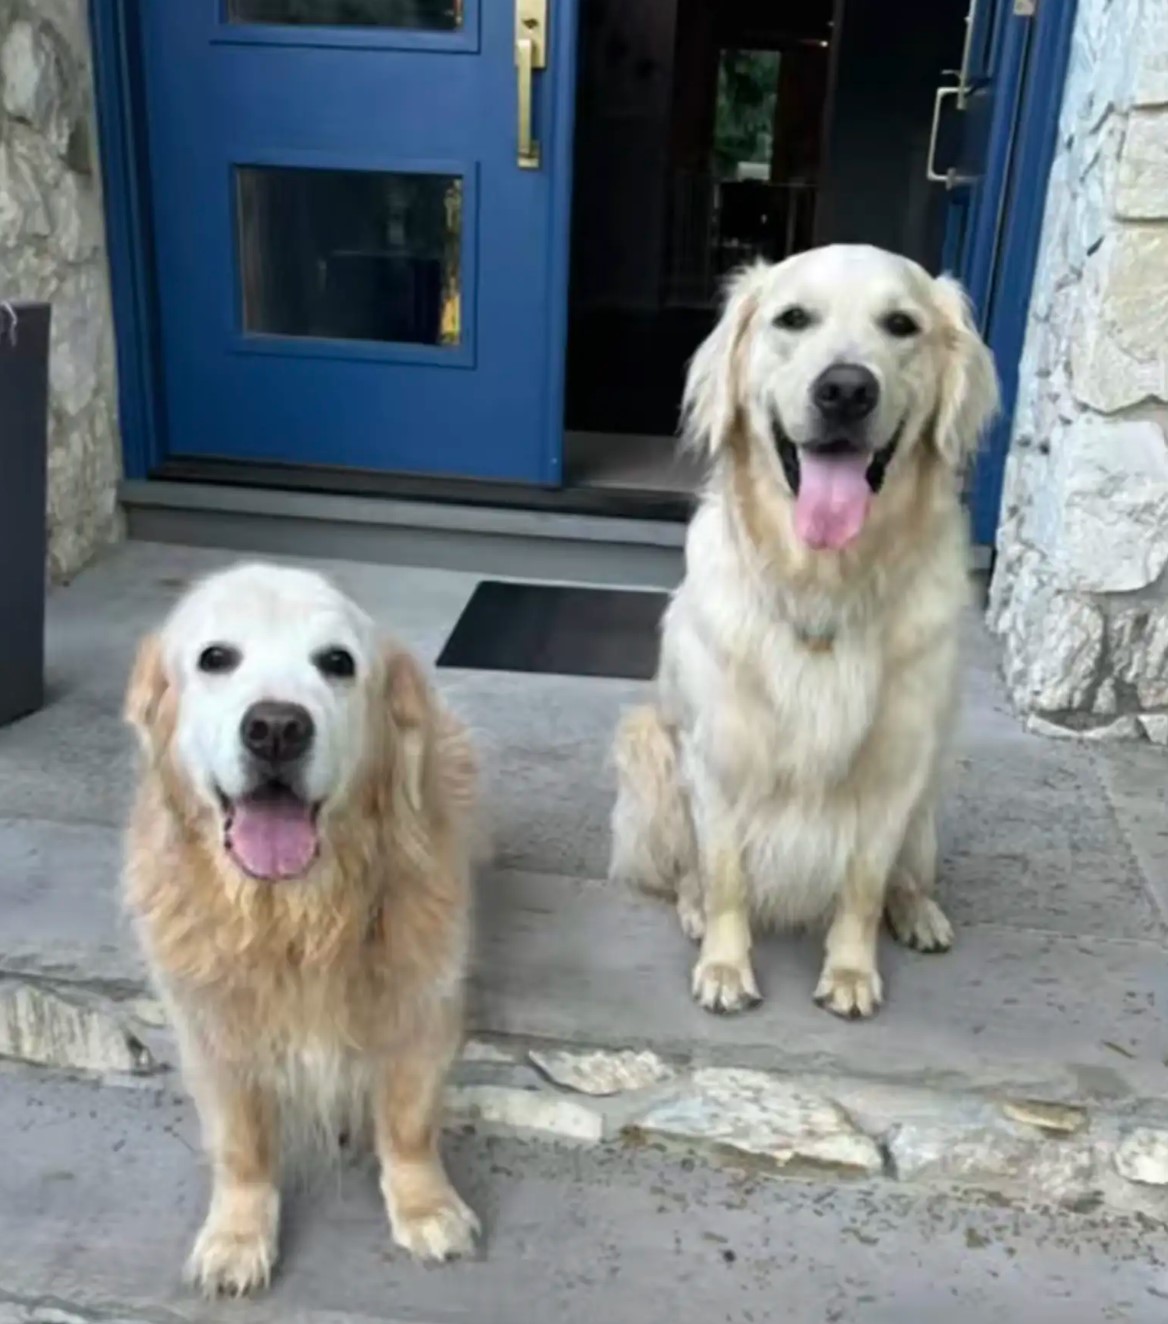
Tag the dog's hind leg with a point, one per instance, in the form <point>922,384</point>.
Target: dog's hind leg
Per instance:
<point>914,917</point>
<point>653,845</point>
<point>691,906</point>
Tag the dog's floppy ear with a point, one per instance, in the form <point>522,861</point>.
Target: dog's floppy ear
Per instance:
<point>710,404</point>
<point>147,689</point>
<point>968,397</point>
<point>430,772</point>
<point>407,694</point>
<point>406,773</point>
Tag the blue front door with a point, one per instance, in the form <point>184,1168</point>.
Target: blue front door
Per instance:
<point>358,264</point>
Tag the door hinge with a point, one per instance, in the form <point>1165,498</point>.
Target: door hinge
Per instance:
<point>1025,8</point>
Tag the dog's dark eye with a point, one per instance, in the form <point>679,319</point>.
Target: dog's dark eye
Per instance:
<point>336,664</point>
<point>218,659</point>
<point>901,325</point>
<point>794,318</point>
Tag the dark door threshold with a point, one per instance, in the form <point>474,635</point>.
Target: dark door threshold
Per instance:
<point>615,502</point>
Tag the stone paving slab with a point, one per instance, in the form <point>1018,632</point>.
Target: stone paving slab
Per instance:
<point>101,1192</point>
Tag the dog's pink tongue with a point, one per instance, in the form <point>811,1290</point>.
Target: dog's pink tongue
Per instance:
<point>833,499</point>
<point>273,837</point>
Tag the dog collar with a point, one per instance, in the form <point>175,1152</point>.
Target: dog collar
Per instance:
<point>816,643</point>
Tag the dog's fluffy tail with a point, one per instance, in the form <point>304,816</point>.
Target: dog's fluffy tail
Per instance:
<point>652,834</point>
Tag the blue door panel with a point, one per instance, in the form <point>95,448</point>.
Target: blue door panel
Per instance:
<point>327,100</point>
<point>993,113</point>
<point>978,208</point>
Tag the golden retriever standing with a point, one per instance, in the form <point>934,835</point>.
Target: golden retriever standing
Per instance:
<point>298,868</point>
<point>787,771</point>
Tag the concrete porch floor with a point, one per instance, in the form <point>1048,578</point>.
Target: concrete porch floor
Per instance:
<point>1055,864</point>
<point>1055,872</point>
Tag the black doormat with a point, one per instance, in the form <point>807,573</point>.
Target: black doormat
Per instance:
<point>562,631</point>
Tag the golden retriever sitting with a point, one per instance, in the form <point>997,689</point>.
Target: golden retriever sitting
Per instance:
<point>787,770</point>
<point>298,869</point>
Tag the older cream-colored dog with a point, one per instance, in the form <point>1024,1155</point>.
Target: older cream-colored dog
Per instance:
<point>298,865</point>
<point>787,771</point>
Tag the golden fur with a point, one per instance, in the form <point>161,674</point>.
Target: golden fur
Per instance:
<point>318,1004</point>
<point>787,769</point>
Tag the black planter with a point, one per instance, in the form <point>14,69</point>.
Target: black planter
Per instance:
<point>24,403</point>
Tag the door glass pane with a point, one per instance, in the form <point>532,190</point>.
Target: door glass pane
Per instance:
<point>763,203</point>
<point>350,254</point>
<point>424,15</point>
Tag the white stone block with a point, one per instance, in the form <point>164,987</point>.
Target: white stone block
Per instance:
<point>35,89</point>
<point>1053,651</point>
<point>1137,641</point>
<point>1102,518</point>
<point>1142,186</point>
<point>1155,727</point>
<point>79,325</point>
<point>1142,1157</point>
<point>1119,341</point>
<point>1103,58</point>
<point>602,1073</point>
<point>1150,48</point>
<point>77,221</point>
<point>523,1110</point>
<point>24,210</point>
<point>483,1051</point>
<point>1122,728</point>
<point>50,1029</point>
<point>990,1158</point>
<point>765,1115</point>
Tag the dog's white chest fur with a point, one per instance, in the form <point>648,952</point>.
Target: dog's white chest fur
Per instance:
<point>774,720</point>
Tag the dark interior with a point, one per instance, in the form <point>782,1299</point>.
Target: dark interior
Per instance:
<point>710,132</point>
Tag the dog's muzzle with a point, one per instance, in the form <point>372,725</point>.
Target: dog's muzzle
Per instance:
<point>833,482</point>
<point>271,830</point>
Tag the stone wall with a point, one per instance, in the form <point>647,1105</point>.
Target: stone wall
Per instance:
<point>52,248</point>
<point>1080,590</point>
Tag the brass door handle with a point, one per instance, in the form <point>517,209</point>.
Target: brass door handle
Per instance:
<point>530,55</point>
<point>525,67</point>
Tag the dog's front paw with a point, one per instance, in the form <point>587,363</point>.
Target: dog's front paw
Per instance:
<point>442,1232</point>
<point>852,994</point>
<point>724,986</point>
<point>228,1261</point>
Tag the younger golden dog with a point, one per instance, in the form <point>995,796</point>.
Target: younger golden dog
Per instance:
<point>298,867</point>
<point>787,770</point>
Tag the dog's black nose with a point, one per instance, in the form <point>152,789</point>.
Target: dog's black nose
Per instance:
<point>845,393</point>
<point>276,732</point>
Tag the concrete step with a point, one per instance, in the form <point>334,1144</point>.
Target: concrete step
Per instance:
<point>1020,1063</point>
<point>567,959</point>
<point>483,539</point>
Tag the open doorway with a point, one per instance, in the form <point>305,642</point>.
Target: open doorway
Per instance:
<point>709,133</point>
